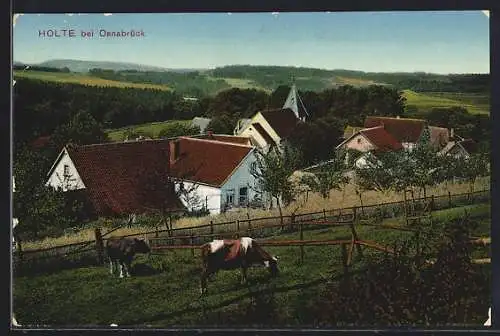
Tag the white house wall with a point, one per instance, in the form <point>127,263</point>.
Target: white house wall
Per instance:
<point>241,177</point>
<point>265,125</point>
<point>56,179</point>
<point>206,195</point>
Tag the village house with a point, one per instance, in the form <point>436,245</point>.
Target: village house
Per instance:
<point>381,134</point>
<point>460,148</point>
<point>270,128</point>
<point>171,174</point>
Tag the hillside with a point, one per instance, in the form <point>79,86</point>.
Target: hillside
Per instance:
<point>79,78</point>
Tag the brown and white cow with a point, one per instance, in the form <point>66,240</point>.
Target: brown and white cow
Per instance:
<point>233,254</point>
<point>122,250</point>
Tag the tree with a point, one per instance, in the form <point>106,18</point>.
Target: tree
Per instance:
<point>316,140</point>
<point>222,124</point>
<point>272,172</point>
<point>82,129</point>
<point>174,130</point>
<point>470,168</point>
<point>331,175</point>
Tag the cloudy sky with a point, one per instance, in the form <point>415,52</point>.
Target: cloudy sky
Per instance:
<point>440,42</point>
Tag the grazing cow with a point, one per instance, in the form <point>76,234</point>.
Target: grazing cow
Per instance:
<point>122,250</point>
<point>232,254</point>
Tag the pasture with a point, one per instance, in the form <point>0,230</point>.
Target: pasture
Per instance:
<point>79,78</point>
<point>152,129</point>
<point>165,292</point>
<point>474,103</point>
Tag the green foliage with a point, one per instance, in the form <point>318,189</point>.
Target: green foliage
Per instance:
<point>222,124</point>
<point>405,290</point>
<point>316,140</point>
<point>272,171</point>
<point>237,103</point>
<point>186,83</point>
<point>328,176</point>
<point>177,129</point>
<point>468,169</point>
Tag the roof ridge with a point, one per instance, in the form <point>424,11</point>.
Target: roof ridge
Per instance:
<point>216,142</point>
<point>396,118</point>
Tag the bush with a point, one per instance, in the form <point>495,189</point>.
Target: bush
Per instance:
<point>405,290</point>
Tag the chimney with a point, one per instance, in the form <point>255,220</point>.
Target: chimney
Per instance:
<point>174,150</point>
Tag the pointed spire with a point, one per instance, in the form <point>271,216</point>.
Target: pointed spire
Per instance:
<point>293,100</point>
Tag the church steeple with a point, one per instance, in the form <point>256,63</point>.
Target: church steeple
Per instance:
<point>294,102</point>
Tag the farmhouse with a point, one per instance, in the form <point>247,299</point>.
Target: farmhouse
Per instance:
<point>117,178</point>
<point>381,134</point>
<point>141,176</point>
<point>215,174</point>
<point>270,128</point>
<point>460,148</point>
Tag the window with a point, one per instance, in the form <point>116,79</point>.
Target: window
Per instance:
<point>66,171</point>
<point>243,196</point>
<point>230,197</point>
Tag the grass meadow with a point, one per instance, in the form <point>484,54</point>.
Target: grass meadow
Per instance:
<point>164,291</point>
<point>474,103</point>
<point>153,129</point>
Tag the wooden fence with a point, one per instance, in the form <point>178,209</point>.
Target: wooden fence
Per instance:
<point>255,227</point>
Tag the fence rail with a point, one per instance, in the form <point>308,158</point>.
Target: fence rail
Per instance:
<point>257,227</point>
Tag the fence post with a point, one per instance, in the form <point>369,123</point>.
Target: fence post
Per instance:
<point>354,235</point>
<point>292,222</point>
<point>324,214</point>
<point>344,258</point>
<point>301,228</point>
<point>192,244</point>
<point>249,225</point>
<point>99,245</point>
<point>432,203</point>
<point>156,232</point>
<point>212,228</point>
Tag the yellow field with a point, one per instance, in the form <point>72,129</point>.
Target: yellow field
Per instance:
<point>76,78</point>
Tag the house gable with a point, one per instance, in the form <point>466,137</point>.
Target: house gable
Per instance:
<point>64,174</point>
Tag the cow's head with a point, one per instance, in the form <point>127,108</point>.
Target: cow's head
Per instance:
<point>272,265</point>
<point>141,246</point>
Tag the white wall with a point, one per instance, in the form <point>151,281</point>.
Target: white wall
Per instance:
<point>205,195</point>
<point>241,177</point>
<point>56,179</point>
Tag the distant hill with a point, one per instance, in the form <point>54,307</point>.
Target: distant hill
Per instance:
<point>85,66</point>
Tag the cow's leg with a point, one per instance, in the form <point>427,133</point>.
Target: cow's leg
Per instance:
<point>127,268</point>
<point>243,275</point>
<point>111,266</point>
<point>122,266</point>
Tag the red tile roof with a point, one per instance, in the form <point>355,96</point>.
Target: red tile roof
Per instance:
<point>469,145</point>
<point>122,177</point>
<point>402,129</point>
<point>226,138</point>
<point>381,139</point>
<point>207,161</point>
<point>258,127</point>
<point>283,121</point>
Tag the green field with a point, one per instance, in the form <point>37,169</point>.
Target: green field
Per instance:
<point>165,290</point>
<point>474,103</point>
<point>150,129</point>
<point>79,78</point>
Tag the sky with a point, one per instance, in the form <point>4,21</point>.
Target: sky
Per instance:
<point>437,42</point>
